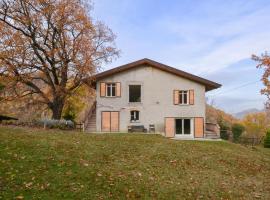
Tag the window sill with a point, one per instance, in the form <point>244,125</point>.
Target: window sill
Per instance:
<point>110,97</point>
<point>134,122</point>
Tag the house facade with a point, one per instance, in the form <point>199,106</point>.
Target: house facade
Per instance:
<point>152,95</point>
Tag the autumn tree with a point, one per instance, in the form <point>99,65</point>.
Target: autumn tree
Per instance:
<point>264,63</point>
<point>256,124</point>
<point>49,48</point>
<point>1,89</point>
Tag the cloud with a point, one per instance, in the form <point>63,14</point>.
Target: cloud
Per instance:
<point>240,89</point>
<point>213,42</point>
<point>213,39</point>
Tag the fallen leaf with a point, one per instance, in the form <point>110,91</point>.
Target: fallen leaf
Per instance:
<point>99,174</point>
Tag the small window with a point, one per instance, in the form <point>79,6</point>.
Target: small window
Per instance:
<point>183,97</point>
<point>110,89</point>
<point>134,93</point>
<point>134,115</point>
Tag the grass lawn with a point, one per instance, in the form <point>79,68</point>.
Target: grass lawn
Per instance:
<point>37,164</point>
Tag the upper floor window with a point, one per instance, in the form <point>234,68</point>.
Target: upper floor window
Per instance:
<point>183,97</point>
<point>134,115</point>
<point>134,93</point>
<point>110,89</point>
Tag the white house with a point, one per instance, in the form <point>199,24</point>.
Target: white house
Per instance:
<point>150,96</point>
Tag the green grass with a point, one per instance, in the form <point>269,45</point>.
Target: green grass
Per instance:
<point>37,164</point>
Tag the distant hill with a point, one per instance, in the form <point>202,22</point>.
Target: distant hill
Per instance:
<point>242,114</point>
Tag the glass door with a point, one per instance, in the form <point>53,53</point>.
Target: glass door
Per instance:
<point>182,126</point>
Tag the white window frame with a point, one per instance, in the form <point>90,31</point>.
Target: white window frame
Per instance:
<point>136,112</point>
<point>110,86</point>
<point>183,127</point>
<point>181,94</point>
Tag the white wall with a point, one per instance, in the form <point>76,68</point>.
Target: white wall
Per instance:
<point>157,98</point>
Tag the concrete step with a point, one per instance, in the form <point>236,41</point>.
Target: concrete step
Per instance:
<point>212,137</point>
<point>210,134</point>
<point>91,125</point>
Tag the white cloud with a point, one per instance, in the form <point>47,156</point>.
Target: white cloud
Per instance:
<point>210,44</point>
<point>206,38</point>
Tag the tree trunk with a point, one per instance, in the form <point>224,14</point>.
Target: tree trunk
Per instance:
<point>57,109</point>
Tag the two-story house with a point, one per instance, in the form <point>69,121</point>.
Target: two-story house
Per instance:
<point>153,95</point>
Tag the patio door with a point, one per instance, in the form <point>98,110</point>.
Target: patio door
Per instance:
<point>110,121</point>
<point>183,127</point>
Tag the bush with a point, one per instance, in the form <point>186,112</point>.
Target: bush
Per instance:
<point>237,130</point>
<point>51,123</point>
<point>224,134</point>
<point>267,140</point>
<point>224,129</point>
<point>69,114</point>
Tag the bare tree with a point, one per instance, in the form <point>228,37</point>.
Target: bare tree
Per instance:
<point>49,48</point>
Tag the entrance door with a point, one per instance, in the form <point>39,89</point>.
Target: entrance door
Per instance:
<point>183,127</point>
<point>109,121</point>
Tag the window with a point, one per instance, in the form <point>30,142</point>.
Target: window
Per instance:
<point>134,115</point>
<point>134,93</point>
<point>183,126</point>
<point>183,97</point>
<point>110,89</point>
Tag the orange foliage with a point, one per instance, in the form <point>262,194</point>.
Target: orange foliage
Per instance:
<point>215,115</point>
<point>256,124</point>
<point>49,48</point>
<point>264,63</point>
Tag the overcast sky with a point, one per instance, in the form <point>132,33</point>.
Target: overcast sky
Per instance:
<point>210,38</point>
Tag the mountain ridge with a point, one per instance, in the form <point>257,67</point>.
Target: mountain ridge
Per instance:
<point>242,114</point>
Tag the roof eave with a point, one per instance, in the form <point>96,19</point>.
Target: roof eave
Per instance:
<point>209,85</point>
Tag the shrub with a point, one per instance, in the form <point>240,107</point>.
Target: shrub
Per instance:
<point>224,134</point>
<point>224,130</point>
<point>69,114</point>
<point>267,139</point>
<point>51,123</point>
<point>237,130</point>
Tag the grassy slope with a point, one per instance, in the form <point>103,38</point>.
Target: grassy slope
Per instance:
<point>45,165</point>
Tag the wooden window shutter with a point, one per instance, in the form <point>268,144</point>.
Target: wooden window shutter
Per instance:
<point>169,127</point>
<point>114,121</point>
<point>199,127</point>
<point>102,89</point>
<point>176,97</point>
<point>191,97</point>
<point>118,89</point>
